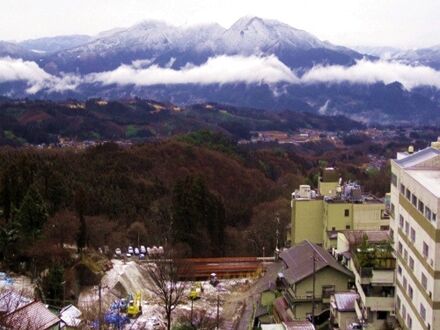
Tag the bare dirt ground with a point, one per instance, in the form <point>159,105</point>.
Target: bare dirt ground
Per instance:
<point>128,277</point>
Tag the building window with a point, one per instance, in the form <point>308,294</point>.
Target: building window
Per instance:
<point>346,212</point>
<point>404,283</point>
<point>408,194</point>
<point>424,281</point>
<point>425,250</point>
<point>392,234</point>
<point>399,270</point>
<point>381,315</point>
<point>411,263</point>
<point>401,220</point>
<point>406,228</point>
<point>393,179</point>
<point>423,312</point>
<point>409,322</point>
<point>402,189</point>
<point>399,248</point>
<point>327,291</point>
<point>421,206</point>
<point>398,303</point>
<point>413,235</point>
<point>434,217</point>
<point>428,213</point>
<point>414,200</point>
<point>347,227</point>
<point>392,209</point>
<point>385,228</point>
<point>410,291</point>
<point>405,255</point>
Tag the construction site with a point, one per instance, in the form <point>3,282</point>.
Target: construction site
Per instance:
<point>216,294</point>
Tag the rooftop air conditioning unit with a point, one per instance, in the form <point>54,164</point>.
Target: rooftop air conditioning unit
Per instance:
<point>304,191</point>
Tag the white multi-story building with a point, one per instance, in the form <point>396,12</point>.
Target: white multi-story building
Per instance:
<point>415,230</point>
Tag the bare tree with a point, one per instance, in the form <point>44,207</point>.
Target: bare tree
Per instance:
<point>166,274</point>
<point>200,319</point>
<point>62,228</point>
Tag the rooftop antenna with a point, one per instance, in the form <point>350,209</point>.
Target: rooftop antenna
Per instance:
<point>277,232</point>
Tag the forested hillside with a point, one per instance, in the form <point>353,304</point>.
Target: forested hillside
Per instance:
<point>200,193</point>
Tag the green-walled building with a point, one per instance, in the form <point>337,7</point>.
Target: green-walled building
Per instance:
<point>319,215</point>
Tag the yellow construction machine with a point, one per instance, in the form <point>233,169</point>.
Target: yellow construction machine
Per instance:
<point>134,308</point>
<point>196,291</point>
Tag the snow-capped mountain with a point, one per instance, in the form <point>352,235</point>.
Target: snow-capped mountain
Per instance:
<point>383,52</point>
<point>253,35</point>
<point>283,81</point>
<point>161,43</point>
<point>55,44</point>
<point>9,49</point>
<point>423,56</point>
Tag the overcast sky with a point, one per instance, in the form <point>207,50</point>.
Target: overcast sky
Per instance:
<point>398,23</point>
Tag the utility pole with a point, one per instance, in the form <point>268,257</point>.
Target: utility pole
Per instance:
<point>277,233</point>
<point>218,312</point>
<point>192,303</point>
<point>313,288</point>
<point>100,304</point>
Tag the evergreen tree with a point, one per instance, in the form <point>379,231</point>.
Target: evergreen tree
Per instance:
<point>80,205</point>
<point>53,285</point>
<point>199,217</point>
<point>6,197</point>
<point>32,215</point>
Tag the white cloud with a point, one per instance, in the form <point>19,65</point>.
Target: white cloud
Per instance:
<point>367,72</point>
<point>37,79</point>
<point>222,70</point>
<point>253,69</point>
<point>217,70</point>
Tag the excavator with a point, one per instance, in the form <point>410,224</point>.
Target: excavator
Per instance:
<point>196,291</point>
<point>134,308</point>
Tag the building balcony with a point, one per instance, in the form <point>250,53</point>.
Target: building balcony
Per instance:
<point>376,298</point>
<point>372,275</point>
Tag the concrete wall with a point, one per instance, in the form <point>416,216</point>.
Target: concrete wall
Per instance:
<point>368,216</point>
<point>307,221</point>
<point>344,319</point>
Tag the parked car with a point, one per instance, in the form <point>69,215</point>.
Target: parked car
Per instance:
<point>143,249</point>
<point>136,251</point>
<point>128,255</point>
<point>141,256</point>
<point>130,250</point>
<point>118,252</point>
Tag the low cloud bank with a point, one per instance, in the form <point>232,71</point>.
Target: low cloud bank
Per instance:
<point>221,70</point>
<point>217,70</point>
<point>12,70</point>
<point>270,70</point>
<point>367,72</point>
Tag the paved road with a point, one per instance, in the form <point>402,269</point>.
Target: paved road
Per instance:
<point>254,292</point>
<point>247,313</point>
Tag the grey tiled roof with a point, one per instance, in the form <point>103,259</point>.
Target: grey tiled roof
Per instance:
<point>299,261</point>
<point>33,316</point>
